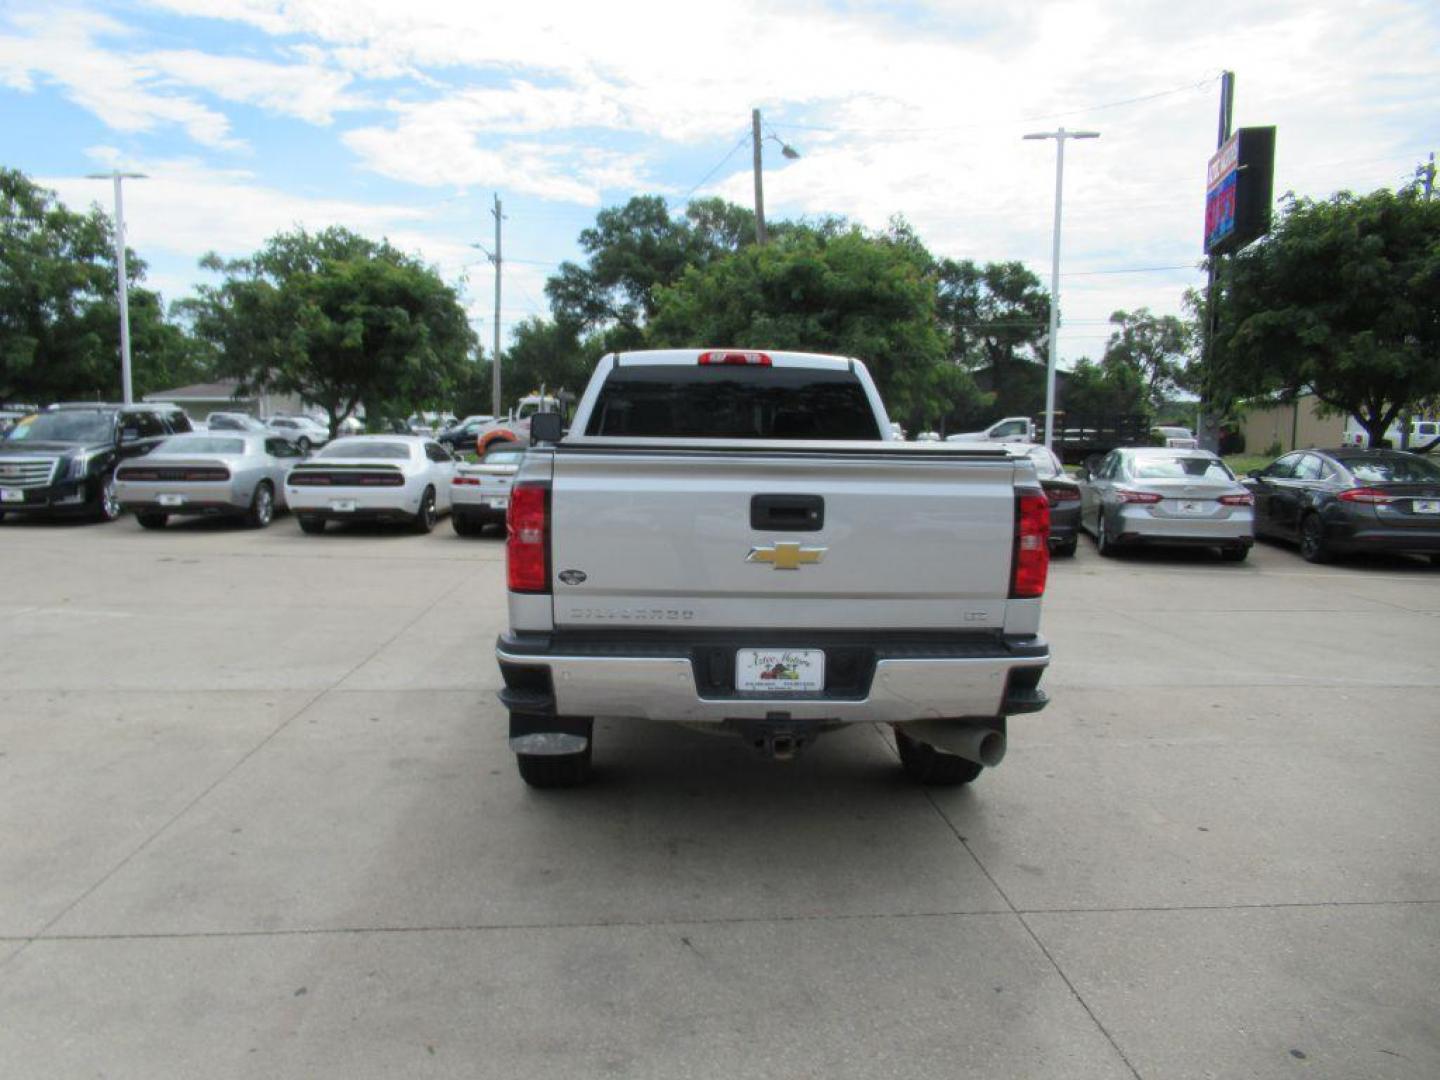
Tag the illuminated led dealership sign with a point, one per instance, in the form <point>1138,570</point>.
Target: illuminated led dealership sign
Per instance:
<point>1239,188</point>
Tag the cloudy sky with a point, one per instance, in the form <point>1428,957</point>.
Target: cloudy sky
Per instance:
<point>402,119</point>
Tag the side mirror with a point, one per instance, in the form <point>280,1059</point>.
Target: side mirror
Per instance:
<point>129,435</point>
<point>1255,474</point>
<point>546,427</point>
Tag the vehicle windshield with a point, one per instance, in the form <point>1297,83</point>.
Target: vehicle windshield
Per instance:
<point>199,444</point>
<point>504,457</point>
<point>1046,466</point>
<point>1180,468</point>
<point>363,448</point>
<point>232,422</point>
<point>1399,469</point>
<point>715,402</point>
<point>77,426</point>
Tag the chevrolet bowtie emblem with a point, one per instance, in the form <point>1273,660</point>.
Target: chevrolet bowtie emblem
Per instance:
<point>786,556</point>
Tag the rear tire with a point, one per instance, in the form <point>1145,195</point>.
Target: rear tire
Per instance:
<point>424,519</point>
<point>1313,546</point>
<point>1104,546</point>
<point>312,525</point>
<point>1067,549</point>
<point>558,770</point>
<point>303,445</point>
<point>465,525</point>
<point>262,506</point>
<point>928,765</point>
<point>152,519</point>
<point>1235,554</point>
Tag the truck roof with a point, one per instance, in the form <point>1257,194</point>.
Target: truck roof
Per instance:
<point>778,358</point>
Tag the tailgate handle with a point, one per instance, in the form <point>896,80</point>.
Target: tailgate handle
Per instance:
<point>787,513</point>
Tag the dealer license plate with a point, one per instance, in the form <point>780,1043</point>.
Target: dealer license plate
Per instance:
<point>343,506</point>
<point>1427,506</point>
<point>12,495</point>
<point>498,504</point>
<point>780,671</point>
<point>171,500</point>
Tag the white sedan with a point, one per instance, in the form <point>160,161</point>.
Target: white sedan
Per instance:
<point>403,478</point>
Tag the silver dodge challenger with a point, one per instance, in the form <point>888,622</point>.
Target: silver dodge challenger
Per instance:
<point>232,473</point>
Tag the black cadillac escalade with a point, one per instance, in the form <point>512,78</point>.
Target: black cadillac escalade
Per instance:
<point>62,461</point>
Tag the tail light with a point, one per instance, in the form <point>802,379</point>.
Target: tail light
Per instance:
<point>1145,498</point>
<point>1061,495</point>
<point>1031,564</point>
<point>1370,496</point>
<point>207,474</point>
<point>1237,500</point>
<point>462,480</point>
<point>739,359</point>
<point>527,547</point>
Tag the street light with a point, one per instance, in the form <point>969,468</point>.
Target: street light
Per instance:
<point>116,175</point>
<point>786,151</point>
<point>1059,135</point>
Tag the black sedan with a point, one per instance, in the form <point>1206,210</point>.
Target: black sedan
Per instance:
<point>1061,492</point>
<point>1337,501</point>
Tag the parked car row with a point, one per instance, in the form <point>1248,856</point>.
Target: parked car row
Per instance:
<point>1327,501</point>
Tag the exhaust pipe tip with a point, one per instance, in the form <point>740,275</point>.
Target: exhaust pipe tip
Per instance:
<point>990,749</point>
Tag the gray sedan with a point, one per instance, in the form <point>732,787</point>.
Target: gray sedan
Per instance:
<point>1153,495</point>
<point>230,474</point>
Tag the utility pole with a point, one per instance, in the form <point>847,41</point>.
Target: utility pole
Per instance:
<point>495,355</point>
<point>122,287</point>
<point>1053,353</point>
<point>759,184</point>
<point>1426,175</point>
<point>1210,439</point>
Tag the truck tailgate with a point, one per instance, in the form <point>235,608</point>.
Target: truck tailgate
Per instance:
<point>909,539</point>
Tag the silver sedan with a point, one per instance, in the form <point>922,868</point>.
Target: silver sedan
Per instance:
<point>1153,495</point>
<point>229,473</point>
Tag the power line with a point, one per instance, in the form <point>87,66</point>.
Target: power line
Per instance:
<point>720,165</point>
<point>1003,123</point>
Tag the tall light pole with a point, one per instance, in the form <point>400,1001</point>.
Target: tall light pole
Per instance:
<point>117,176</point>
<point>494,257</point>
<point>786,150</point>
<point>1059,135</point>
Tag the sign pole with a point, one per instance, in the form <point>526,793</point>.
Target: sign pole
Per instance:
<point>1209,434</point>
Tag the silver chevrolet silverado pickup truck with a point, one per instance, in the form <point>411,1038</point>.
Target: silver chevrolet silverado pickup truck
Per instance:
<point>730,540</point>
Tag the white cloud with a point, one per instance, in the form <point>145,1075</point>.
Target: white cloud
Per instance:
<point>310,92</point>
<point>63,47</point>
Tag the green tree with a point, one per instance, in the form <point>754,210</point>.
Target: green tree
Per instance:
<point>872,297</point>
<point>339,320</point>
<point>1343,300</point>
<point>549,354</point>
<point>1100,390</point>
<point>996,317</point>
<point>634,249</point>
<point>1155,348</point>
<point>59,315</point>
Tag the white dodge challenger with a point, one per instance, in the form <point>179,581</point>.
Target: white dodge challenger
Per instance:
<point>403,478</point>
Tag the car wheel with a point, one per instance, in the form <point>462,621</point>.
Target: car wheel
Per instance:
<point>425,516</point>
<point>262,506</point>
<point>1103,544</point>
<point>152,519</point>
<point>1313,546</point>
<point>465,525</point>
<point>1234,554</point>
<point>557,770</point>
<point>303,445</point>
<point>311,525</point>
<point>928,765</point>
<point>1067,549</point>
<point>108,506</point>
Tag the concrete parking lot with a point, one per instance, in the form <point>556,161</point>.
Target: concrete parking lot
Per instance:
<point>258,819</point>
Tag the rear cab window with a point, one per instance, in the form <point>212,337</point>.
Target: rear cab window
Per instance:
<point>733,402</point>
